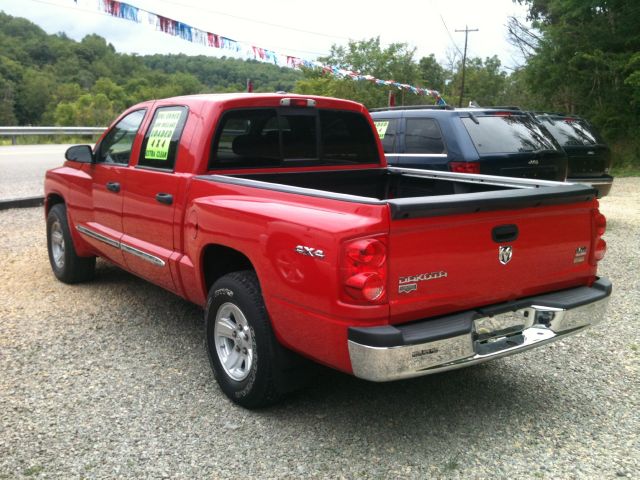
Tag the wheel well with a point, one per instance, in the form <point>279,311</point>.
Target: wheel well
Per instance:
<point>219,260</point>
<point>53,199</point>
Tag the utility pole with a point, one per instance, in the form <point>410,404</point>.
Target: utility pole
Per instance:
<point>464,58</point>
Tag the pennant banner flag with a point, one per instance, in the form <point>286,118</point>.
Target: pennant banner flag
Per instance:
<point>208,39</point>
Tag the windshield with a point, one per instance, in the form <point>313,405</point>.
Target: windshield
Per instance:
<point>508,134</point>
<point>570,131</point>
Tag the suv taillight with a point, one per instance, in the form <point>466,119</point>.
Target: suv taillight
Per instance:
<point>599,245</point>
<point>464,167</point>
<point>364,271</point>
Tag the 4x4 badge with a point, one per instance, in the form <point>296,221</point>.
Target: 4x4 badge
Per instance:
<point>505,254</point>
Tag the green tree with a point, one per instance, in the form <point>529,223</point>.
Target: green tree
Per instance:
<point>367,57</point>
<point>584,62</point>
<point>33,96</point>
<point>432,74</point>
<point>485,83</point>
<point>7,117</point>
<point>53,79</point>
<point>92,110</point>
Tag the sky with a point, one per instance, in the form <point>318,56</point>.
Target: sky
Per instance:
<point>290,27</point>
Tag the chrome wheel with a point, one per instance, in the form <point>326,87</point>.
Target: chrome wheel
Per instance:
<point>57,244</point>
<point>234,344</point>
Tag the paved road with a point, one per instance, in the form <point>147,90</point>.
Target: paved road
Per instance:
<point>109,379</point>
<point>22,168</point>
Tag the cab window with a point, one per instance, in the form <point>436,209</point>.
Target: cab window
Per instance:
<point>117,144</point>
<point>160,144</point>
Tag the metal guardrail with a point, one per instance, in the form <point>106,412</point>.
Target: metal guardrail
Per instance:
<point>15,132</point>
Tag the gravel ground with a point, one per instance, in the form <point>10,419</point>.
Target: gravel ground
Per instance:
<point>110,380</point>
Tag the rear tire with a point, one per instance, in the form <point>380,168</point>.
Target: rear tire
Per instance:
<point>67,266</point>
<point>249,364</point>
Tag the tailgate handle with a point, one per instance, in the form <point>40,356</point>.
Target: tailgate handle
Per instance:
<point>504,233</point>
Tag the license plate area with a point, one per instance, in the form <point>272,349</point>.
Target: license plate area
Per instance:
<point>503,324</point>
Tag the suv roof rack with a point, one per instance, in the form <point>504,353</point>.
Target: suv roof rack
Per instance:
<point>560,114</point>
<point>413,107</point>
<point>500,107</point>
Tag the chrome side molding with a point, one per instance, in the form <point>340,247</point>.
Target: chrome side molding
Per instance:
<point>121,246</point>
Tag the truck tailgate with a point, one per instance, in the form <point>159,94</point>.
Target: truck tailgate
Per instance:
<point>443,264</point>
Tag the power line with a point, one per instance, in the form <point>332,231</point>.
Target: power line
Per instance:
<point>464,58</point>
<point>262,22</point>
<point>76,8</point>
<point>449,33</point>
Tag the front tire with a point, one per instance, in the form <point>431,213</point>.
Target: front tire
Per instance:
<point>67,266</point>
<point>247,361</point>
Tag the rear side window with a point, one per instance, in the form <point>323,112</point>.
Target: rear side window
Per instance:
<point>387,128</point>
<point>423,136</point>
<point>254,138</point>
<point>571,131</point>
<point>508,134</point>
<point>160,143</point>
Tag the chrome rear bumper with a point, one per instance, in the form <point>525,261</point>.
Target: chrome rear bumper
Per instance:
<point>601,184</point>
<point>391,353</point>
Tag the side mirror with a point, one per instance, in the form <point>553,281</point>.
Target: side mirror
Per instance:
<point>79,153</point>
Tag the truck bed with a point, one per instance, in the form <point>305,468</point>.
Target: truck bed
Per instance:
<point>414,193</point>
<point>447,228</point>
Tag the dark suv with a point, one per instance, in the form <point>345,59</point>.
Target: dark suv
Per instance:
<point>492,141</point>
<point>589,156</point>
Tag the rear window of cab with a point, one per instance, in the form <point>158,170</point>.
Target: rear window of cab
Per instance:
<point>269,137</point>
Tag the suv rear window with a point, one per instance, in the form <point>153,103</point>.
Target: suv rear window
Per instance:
<point>570,131</point>
<point>507,134</point>
<point>254,138</point>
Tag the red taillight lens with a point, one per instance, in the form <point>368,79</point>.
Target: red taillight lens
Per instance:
<point>364,271</point>
<point>464,167</point>
<point>600,224</point>
<point>600,250</point>
<point>367,251</point>
<point>599,245</point>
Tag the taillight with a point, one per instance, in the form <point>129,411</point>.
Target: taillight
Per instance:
<point>599,245</point>
<point>364,271</point>
<point>464,167</point>
<point>600,250</point>
<point>600,224</point>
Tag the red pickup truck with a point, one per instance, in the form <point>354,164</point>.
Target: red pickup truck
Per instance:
<point>278,215</point>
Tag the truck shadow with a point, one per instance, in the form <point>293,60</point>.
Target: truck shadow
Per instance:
<point>507,394</point>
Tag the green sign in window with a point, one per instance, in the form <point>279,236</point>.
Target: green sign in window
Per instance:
<point>160,137</point>
<point>381,127</point>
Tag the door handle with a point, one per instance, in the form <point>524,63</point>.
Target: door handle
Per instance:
<point>113,186</point>
<point>165,198</point>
